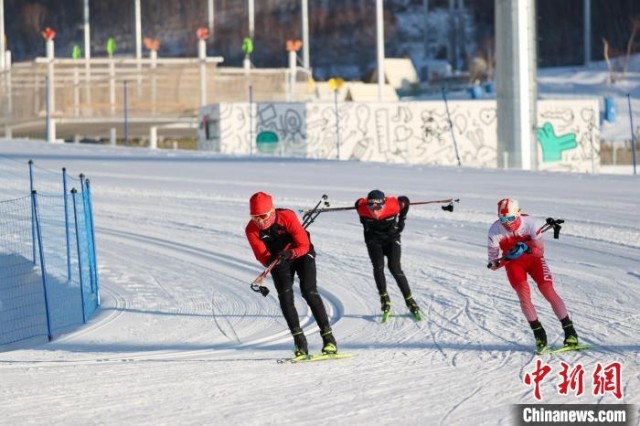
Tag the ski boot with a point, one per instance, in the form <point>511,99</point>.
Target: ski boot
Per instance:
<point>300,342</point>
<point>570,335</point>
<point>413,307</point>
<point>540,335</point>
<point>386,306</point>
<point>329,345</point>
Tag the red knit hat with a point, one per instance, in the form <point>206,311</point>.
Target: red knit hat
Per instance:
<point>260,203</point>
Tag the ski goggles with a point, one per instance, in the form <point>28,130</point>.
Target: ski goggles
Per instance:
<point>375,203</point>
<point>263,216</point>
<point>507,219</point>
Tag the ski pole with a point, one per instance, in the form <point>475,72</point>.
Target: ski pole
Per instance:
<point>257,284</point>
<point>330,209</point>
<point>453,133</point>
<point>551,223</point>
<point>448,207</point>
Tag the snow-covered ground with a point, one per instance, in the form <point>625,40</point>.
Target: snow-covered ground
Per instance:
<point>181,338</point>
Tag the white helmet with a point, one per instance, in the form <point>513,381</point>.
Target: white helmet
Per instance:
<point>508,207</point>
<point>509,214</point>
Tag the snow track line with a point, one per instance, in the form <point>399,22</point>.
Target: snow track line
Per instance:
<point>335,303</point>
<point>334,306</point>
<point>183,248</point>
<point>96,323</point>
<point>215,319</point>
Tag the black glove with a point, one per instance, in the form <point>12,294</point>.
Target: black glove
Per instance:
<point>356,203</point>
<point>403,199</point>
<point>285,255</point>
<point>282,256</point>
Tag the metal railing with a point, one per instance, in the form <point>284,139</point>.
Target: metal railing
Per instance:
<point>105,88</point>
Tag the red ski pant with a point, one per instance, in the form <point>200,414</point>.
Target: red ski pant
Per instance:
<point>537,268</point>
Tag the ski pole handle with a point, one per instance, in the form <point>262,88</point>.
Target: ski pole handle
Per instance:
<point>257,286</point>
<point>311,215</point>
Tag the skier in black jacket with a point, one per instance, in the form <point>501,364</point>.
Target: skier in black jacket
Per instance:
<point>383,221</point>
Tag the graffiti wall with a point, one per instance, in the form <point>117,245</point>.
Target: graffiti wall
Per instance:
<point>401,132</point>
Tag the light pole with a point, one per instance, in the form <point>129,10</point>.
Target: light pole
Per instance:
<point>252,24</point>
<point>380,47</point>
<point>335,84</point>
<point>2,37</point>
<point>305,34</point>
<point>138,32</point>
<point>425,26</point>
<point>587,31</point>
<point>87,33</point>
<point>210,13</point>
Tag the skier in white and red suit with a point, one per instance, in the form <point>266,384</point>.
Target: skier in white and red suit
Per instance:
<point>518,236</point>
<point>277,234</point>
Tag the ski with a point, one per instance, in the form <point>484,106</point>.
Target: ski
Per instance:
<point>314,358</point>
<point>550,351</point>
<point>386,314</point>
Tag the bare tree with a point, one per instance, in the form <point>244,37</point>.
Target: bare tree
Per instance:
<point>618,66</point>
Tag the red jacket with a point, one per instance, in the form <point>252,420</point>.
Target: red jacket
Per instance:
<point>385,227</point>
<point>285,233</point>
<point>391,208</point>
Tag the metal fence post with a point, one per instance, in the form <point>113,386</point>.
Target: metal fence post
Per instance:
<point>33,213</point>
<point>43,269</point>
<point>66,221</point>
<point>633,135</point>
<point>92,247</point>
<point>126,116</point>
<point>75,217</point>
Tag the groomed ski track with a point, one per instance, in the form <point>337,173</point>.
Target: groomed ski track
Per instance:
<point>181,336</point>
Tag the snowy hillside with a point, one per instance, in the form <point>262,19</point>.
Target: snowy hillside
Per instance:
<point>181,338</point>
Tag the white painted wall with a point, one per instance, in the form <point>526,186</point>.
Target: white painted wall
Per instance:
<point>405,132</point>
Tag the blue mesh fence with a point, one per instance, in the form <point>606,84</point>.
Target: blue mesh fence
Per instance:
<point>48,268</point>
<point>22,308</point>
<point>14,176</point>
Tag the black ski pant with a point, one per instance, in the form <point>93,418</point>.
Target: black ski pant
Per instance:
<point>283,276</point>
<point>392,249</point>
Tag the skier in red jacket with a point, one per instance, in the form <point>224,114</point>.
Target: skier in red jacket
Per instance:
<point>383,221</point>
<point>277,234</point>
<point>521,243</point>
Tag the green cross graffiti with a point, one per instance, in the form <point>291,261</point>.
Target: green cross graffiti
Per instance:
<point>553,145</point>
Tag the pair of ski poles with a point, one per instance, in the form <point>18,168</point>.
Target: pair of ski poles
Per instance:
<point>550,223</point>
<point>448,207</point>
<point>309,216</point>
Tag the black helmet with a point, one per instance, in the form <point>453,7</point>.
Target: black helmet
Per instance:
<point>375,199</point>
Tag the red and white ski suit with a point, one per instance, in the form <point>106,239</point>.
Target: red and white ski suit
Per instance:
<point>532,264</point>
